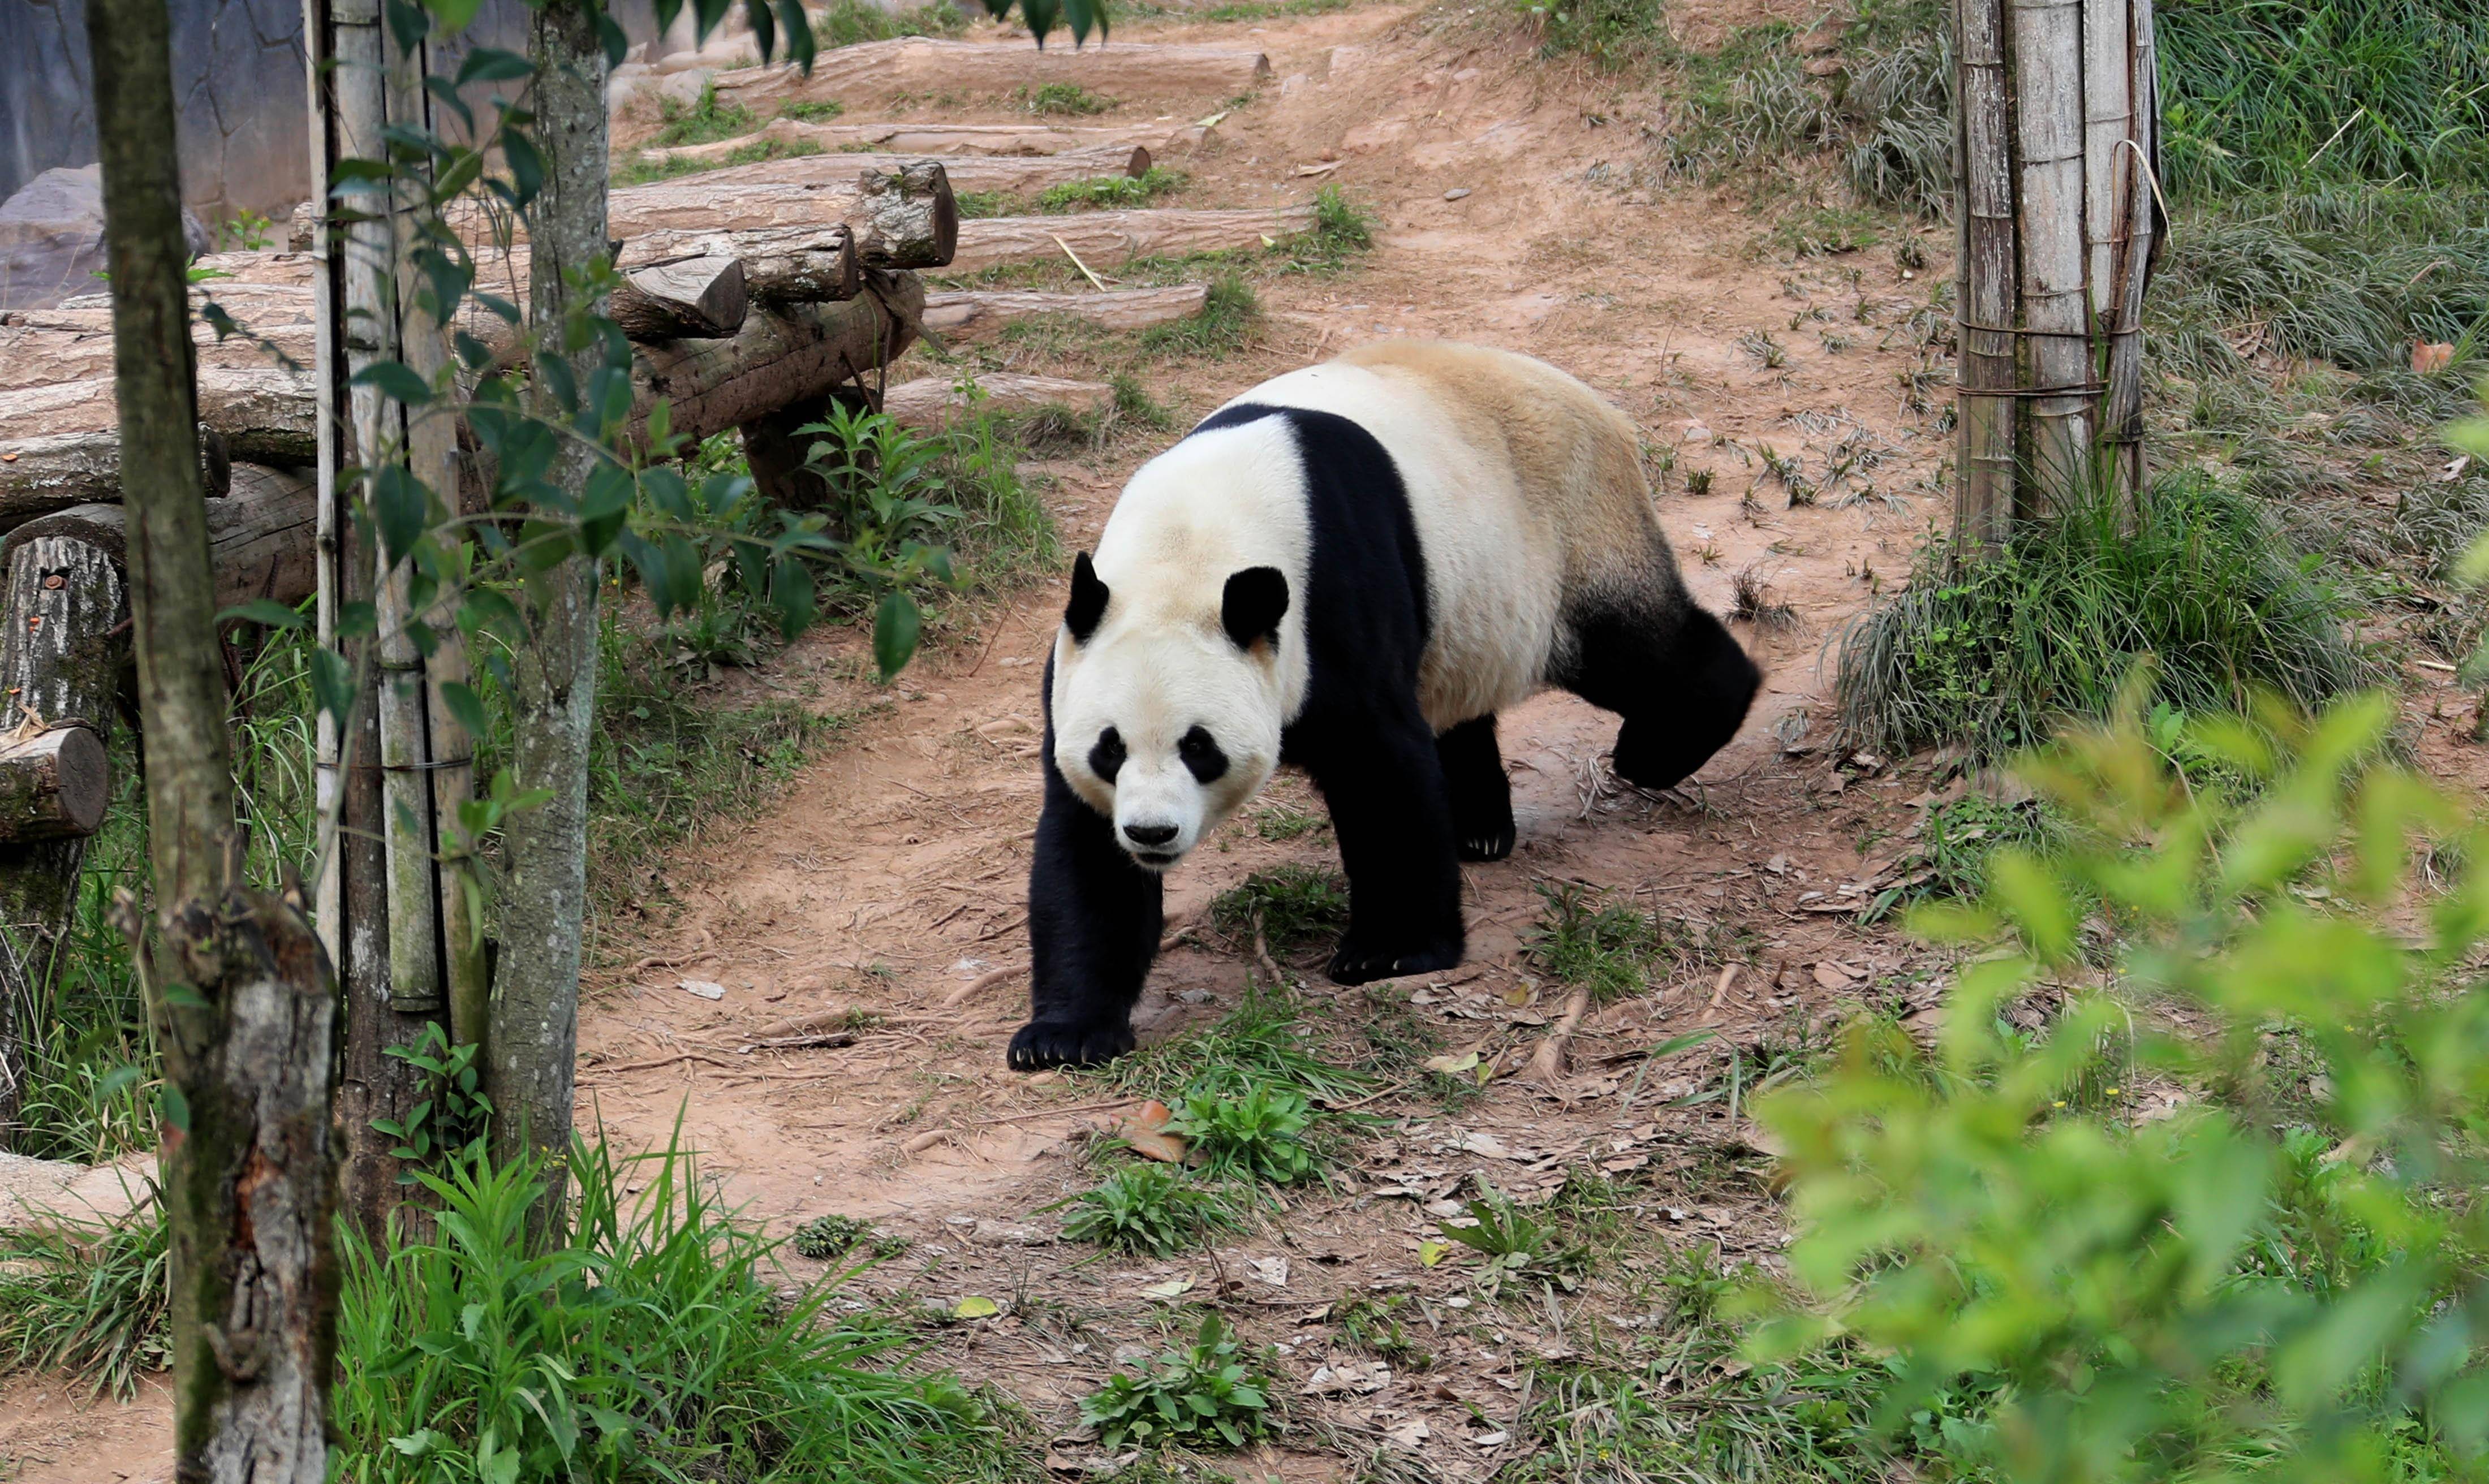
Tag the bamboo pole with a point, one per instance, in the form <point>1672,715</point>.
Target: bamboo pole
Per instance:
<point>2047,41</point>
<point>2132,223</point>
<point>1986,282</point>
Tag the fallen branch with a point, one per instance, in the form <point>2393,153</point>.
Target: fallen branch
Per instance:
<point>1547,1063</point>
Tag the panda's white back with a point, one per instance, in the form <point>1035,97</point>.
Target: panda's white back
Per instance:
<point>1494,562</point>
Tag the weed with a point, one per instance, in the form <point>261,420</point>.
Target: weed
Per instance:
<point>1824,231</point>
<point>1231,315</point>
<point>1294,907</point>
<point>846,23</point>
<point>245,231</point>
<point>1065,98</point>
<point>653,1343</point>
<point>1151,1210</point>
<point>1949,857</point>
<point>1258,1044</point>
<point>705,121</point>
<point>1761,345</point>
<point>1993,652</point>
<point>1698,481</point>
<point>88,1300</point>
<point>979,205</point>
<point>834,1236</point>
<point>1205,1392</point>
<point>1111,190</point>
<point>1280,821</point>
<point>1584,937</point>
<point>1615,33</point>
<point>812,110</point>
<point>641,170</point>
<point>1249,1133</point>
<point>1514,1246</point>
<point>1341,230</point>
<point>1753,600</point>
<point>1370,1321</point>
<point>448,1121</point>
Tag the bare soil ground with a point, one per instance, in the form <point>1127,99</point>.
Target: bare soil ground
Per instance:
<point>890,879</point>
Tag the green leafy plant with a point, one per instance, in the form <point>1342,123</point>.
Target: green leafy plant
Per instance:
<point>1152,1209</point>
<point>1231,315</point>
<point>1111,190</point>
<point>1065,98</point>
<point>704,120</point>
<point>448,1121</point>
<point>1341,230</point>
<point>2295,1270</point>
<point>1254,1133</point>
<point>812,110</point>
<point>1371,1323</point>
<point>1263,1042</point>
<point>1513,1245</point>
<point>1206,1392</point>
<point>824,1238</point>
<point>1583,937</point>
<point>892,514</point>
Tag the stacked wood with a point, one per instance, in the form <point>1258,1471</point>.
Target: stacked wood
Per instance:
<point>264,413</point>
<point>261,534</point>
<point>54,782</point>
<point>782,266</point>
<point>970,314</point>
<point>699,298</point>
<point>777,360</point>
<point>916,63</point>
<point>38,475</point>
<point>1117,237</point>
<point>952,140</point>
<point>934,400</point>
<point>898,219</point>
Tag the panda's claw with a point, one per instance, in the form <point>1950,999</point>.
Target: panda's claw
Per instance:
<point>1353,964</point>
<point>1042,1043</point>
<point>1489,846</point>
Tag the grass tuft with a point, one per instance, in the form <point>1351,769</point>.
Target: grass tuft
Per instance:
<point>1995,654</point>
<point>1294,907</point>
<point>88,1300</point>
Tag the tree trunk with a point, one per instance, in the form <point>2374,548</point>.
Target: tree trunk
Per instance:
<point>61,654</point>
<point>970,172</point>
<point>2048,41</point>
<point>38,475</point>
<point>930,401</point>
<point>249,1169</point>
<point>780,361</point>
<point>531,1049</point>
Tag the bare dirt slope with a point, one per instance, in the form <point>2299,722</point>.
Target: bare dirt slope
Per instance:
<point>1518,203</point>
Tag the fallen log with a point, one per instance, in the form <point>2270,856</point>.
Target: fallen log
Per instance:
<point>699,298</point>
<point>52,347</point>
<point>1118,237</point>
<point>38,475</point>
<point>55,784</point>
<point>915,63</point>
<point>976,172</point>
<point>932,401</point>
<point>261,537</point>
<point>974,313</point>
<point>952,140</point>
<point>782,266</point>
<point>264,413</point>
<point>902,218</point>
<point>777,360</point>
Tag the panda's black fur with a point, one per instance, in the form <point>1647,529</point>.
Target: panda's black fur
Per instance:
<point>1407,805</point>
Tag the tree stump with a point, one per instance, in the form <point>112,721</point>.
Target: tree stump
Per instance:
<point>62,646</point>
<point>55,784</point>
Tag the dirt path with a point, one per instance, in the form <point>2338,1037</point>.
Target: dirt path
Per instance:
<point>1516,208</point>
<point>1517,204</point>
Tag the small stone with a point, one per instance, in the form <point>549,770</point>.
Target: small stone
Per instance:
<point>1456,193</point>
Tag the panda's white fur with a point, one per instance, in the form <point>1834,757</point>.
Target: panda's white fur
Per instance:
<point>1491,509</point>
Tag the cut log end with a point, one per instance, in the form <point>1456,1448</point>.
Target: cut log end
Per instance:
<point>53,784</point>
<point>909,217</point>
<point>694,299</point>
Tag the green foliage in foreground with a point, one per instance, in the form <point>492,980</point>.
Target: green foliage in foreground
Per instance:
<point>653,1345</point>
<point>1995,652</point>
<point>87,1300</point>
<point>2287,1279</point>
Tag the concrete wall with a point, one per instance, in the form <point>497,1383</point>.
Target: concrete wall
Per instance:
<point>238,71</point>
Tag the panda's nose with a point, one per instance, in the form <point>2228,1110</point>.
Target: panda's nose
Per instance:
<point>1148,834</point>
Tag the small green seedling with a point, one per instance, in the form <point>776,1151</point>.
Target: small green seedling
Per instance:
<point>1254,1133</point>
<point>1150,1209</point>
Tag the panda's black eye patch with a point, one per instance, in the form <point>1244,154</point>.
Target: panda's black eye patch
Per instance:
<point>1106,758</point>
<point>1201,756</point>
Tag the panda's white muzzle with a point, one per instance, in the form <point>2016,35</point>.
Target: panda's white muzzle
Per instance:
<point>1157,816</point>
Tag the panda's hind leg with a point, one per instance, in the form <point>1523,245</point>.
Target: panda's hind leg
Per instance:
<point>1674,672</point>
<point>1481,794</point>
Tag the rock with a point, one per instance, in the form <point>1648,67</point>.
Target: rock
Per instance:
<point>1456,193</point>
<point>41,1193</point>
<point>52,237</point>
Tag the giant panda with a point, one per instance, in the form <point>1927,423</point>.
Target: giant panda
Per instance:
<point>1350,568</point>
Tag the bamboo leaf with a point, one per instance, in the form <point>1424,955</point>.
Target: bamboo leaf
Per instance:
<point>332,685</point>
<point>267,612</point>
<point>487,64</point>
<point>896,626</point>
<point>395,380</point>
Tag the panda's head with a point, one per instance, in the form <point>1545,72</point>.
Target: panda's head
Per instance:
<point>1167,715</point>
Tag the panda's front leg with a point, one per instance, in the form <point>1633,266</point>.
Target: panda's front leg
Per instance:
<point>1093,918</point>
<point>1392,813</point>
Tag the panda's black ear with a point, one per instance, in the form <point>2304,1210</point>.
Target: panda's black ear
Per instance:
<point>1088,602</point>
<point>1255,601</point>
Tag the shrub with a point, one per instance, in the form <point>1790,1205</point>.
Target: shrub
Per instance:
<point>1147,1209</point>
<point>1253,1133</point>
<point>1204,1392</point>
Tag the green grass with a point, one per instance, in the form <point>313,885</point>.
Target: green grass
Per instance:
<point>846,23</point>
<point>654,1343</point>
<point>641,170</point>
<point>1111,191</point>
<point>1342,230</point>
<point>817,110</point>
<point>1065,99</point>
<point>1584,937</point>
<point>1262,1043</point>
<point>1230,317</point>
<point>87,1300</point>
<point>1294,907</point>
<point>705,121</point>
<point>1996,654</point>
<point>1281,821</point>
<point>1949,853</point>
<point>1150,1209</point>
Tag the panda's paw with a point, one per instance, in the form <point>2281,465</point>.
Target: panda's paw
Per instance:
<point>1488,844</point>
<point>1044,1043</point>
<point>1358,962</point>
